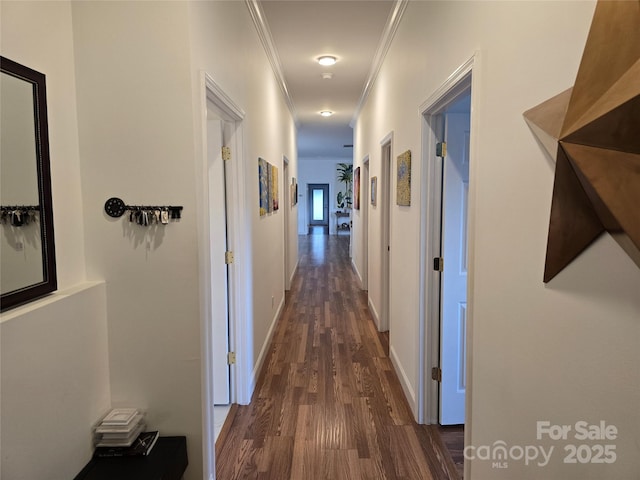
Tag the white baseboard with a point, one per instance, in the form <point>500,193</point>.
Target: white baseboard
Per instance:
<point>265,348</point>
<point>404,381</point>
<point>357,272</point>
<point>374,313</point>
<point>293,273</point>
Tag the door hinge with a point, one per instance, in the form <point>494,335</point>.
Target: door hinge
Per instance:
<point>436,374</point>
<point>228,258</point>
<point>438,264</point>
<point>231,358</point>
<point>441,149</point>
<point>226,153</point>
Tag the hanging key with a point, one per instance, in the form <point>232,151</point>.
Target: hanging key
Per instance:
<point>16,218</point>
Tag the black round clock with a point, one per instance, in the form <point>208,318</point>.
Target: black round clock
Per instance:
<point>114,207</point>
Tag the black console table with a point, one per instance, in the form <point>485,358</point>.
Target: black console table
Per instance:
<point>167,461</point>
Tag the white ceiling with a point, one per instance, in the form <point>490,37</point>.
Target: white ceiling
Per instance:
<point>352,31</point>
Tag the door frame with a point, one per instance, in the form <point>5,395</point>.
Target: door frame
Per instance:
<point>464,77</point>
<point>385,196</point>
<point>365,203</point>
<point>237,241</point>
<point>286,207</point>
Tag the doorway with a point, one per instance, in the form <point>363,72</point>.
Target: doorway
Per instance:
<point>446,252</point>
<point>385,246</point>
<point>365,201</point>
<point>218,238</point>
<point>318,205</point>
<point>454,251</point>
<point>222,219</point>
<point>286,208</point>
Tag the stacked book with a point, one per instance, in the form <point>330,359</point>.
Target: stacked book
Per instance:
<point>121,433</point>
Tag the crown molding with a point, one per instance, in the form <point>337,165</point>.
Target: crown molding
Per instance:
<point>393,21</point>
<point>264,33</point>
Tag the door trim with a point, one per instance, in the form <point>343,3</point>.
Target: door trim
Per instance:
<point>365,204</point>
<point>468,74</point>
<point>286,207</point>
<point>386,193</point>
<point>238,242</point>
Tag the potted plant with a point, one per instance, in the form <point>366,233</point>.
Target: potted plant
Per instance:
<point>345,175</point>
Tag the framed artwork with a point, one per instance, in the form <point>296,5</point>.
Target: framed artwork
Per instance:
<point>263,182</point>
<point>356,189</point>
<point>403,188</point>
<point>269,190</point>
<point>293,192</point>
<point>374,191</point>
<point>275,197</point>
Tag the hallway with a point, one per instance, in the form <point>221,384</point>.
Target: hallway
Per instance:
<point>328,404</point>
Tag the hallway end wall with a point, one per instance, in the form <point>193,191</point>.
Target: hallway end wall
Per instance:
<point>538,352</point>
<point>318,170</point>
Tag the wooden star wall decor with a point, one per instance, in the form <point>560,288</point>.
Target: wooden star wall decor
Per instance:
<point>593,131</point>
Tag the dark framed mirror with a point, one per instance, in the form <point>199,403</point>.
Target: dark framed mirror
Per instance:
<point>27,245</point>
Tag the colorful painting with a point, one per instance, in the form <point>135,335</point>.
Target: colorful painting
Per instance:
<point>403,193</point>
<point>269,190</point>
<point>275,197</point>
<point>356,189</point>
<point>263,181</point>
<point>374,191</point>
<point>293,192</point>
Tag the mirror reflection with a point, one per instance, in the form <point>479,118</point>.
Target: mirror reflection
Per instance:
<point>27,251</point>
<point>21,244</point>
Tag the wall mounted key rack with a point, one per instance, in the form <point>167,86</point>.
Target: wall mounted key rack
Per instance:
<point>18,215</point>
<point>143,214</point>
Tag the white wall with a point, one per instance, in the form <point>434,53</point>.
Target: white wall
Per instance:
<point>136,142</point>
<point>53,354</point>
<point>318,170</point>
<point>565,351</point>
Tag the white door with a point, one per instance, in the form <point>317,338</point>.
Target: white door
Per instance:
<point>454,278</point>
<point>386,204</point>
<point>218,245</point>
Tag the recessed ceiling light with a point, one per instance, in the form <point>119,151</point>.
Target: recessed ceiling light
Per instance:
<point>327,75</point>
<point>327,60</point>
<point>326,113</point>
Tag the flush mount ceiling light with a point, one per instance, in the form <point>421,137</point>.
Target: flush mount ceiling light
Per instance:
<point>326,113</point>
<point>327,75</point>
<point>327,60</point>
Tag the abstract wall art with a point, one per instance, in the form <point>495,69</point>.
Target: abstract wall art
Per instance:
<point>593,132</point>
<point>403,186</point>
<point>268,187</point>
<point>275,197</point>
<point>263,182</point>
<point>293,191</point>
<point>374,191</point>
<point>356,189</point>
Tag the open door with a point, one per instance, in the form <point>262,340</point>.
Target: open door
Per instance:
<point>386,204</point>
<point>219,268</point>
<point>454,254</point>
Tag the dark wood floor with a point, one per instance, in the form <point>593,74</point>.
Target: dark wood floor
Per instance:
<point>328,404</point>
